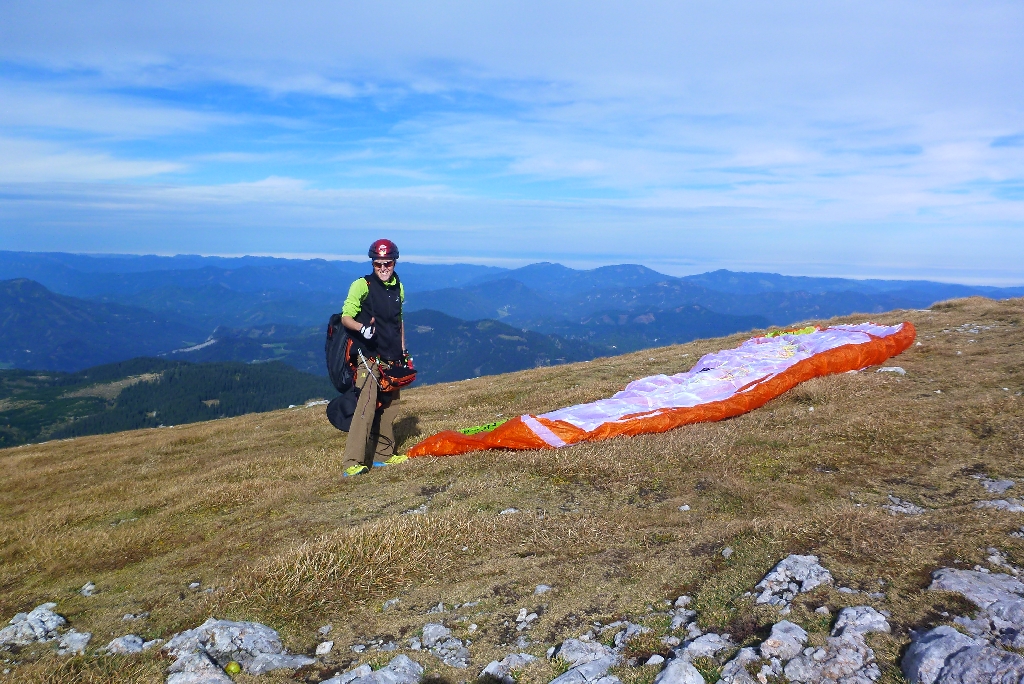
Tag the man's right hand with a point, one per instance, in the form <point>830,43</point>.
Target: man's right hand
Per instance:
<point>367,331</point>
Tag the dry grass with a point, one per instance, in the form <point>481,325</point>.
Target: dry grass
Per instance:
<point>255,508</point>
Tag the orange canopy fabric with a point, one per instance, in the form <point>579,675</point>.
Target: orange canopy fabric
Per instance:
<point>720,385</point>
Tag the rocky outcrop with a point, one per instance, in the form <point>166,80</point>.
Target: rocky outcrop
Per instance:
<point>39,625</point>
<point>215,643</point>
<point>501,670</point>
<point>401,670</point>
<point>791,576</point>
<point>845,658</point>
<point>944,655</point>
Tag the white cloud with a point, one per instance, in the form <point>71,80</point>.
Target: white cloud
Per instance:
<point>29,161</point>
<point>72,107</point>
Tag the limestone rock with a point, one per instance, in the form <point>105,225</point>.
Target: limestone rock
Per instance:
<point>682,618</point>
<point>501,669</point>
<point>928,653</point>
<point>401,670</point>
<point>786,641</point>
<point>898,506</point>
<point>705,646</point>
<point>981,665</point>
<point>351,675</point>
<point>125,645</point>
<point>993,486</point>
<point>196,668</point>
<point>860,619</point>
<point>324,648</point>
<point>256,647</point>
<point>1009,505</point>
<point>679,671</point>
<point>578,652</point>
<point>267,662</point>
<point>40,624</point>
<point>434,633</point>
<point>735,671</point>
<point>791,576</point>
<point>73,642</point>
<point>981,588</point>
<point>452,652</point>
<point>845,659</point>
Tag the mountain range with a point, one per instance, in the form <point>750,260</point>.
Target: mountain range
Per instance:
<point>70,311</point>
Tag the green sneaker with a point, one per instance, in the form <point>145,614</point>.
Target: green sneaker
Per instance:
<point>397,458</point>
<point>356,470</point>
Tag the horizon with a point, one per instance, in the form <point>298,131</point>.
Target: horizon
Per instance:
<point>510,264</point>
<point>866,141</point>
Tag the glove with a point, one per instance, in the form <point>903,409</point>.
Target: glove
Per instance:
<point>367,331</point>
<point>407,358</point>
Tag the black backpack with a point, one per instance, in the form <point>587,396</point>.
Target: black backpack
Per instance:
<point>337,349</point>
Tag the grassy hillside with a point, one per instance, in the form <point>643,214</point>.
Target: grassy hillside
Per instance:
<point>255,509</point>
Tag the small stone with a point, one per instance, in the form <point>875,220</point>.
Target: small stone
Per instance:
<point>1010,505</point>
<point>785,642</point>
<point>892,369</point>
<point>389,604</point>
<point>324,647</point>
<point>860,619</point>
<point>501,670</point>
<point>88,589</point>
<point>655,659</point>
<point>194,585</point>
<point>684,507</point>
<point>679,672</point>
<point>898,506</point>
<point>705,646</point>
<point>357,648</point>
<point>353,674</point>
<point>542,589</point>
<point>509,511</point>
<point>727,552</point>
<point>325,630</point>
<point>822,610</point>
<point>126,645</point>
<point>682,601</point>
<point>439,608</point>
<point>434,633</point>
<point>73,642</point>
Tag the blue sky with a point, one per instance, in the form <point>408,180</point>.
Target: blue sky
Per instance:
<point>839,138</point>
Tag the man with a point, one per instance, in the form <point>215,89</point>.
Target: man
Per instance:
<point>372,314</point>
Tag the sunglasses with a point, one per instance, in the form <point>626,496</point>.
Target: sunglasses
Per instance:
<point>383,264</point>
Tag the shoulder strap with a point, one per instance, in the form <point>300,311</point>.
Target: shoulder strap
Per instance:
<point>369,295</point>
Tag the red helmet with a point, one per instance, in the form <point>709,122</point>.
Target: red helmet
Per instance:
<point>383,249</point>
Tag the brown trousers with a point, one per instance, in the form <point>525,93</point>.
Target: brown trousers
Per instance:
<point>371,436</point>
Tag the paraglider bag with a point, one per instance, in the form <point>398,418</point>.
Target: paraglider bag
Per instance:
<point>395,374</point>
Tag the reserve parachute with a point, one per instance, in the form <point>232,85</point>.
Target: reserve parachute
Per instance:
<point>721,385</point>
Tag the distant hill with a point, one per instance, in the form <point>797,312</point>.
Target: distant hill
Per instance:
<point>145,392</point>
<point>44,330</point>
<point>444,348</point>
<point>619,331</point>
